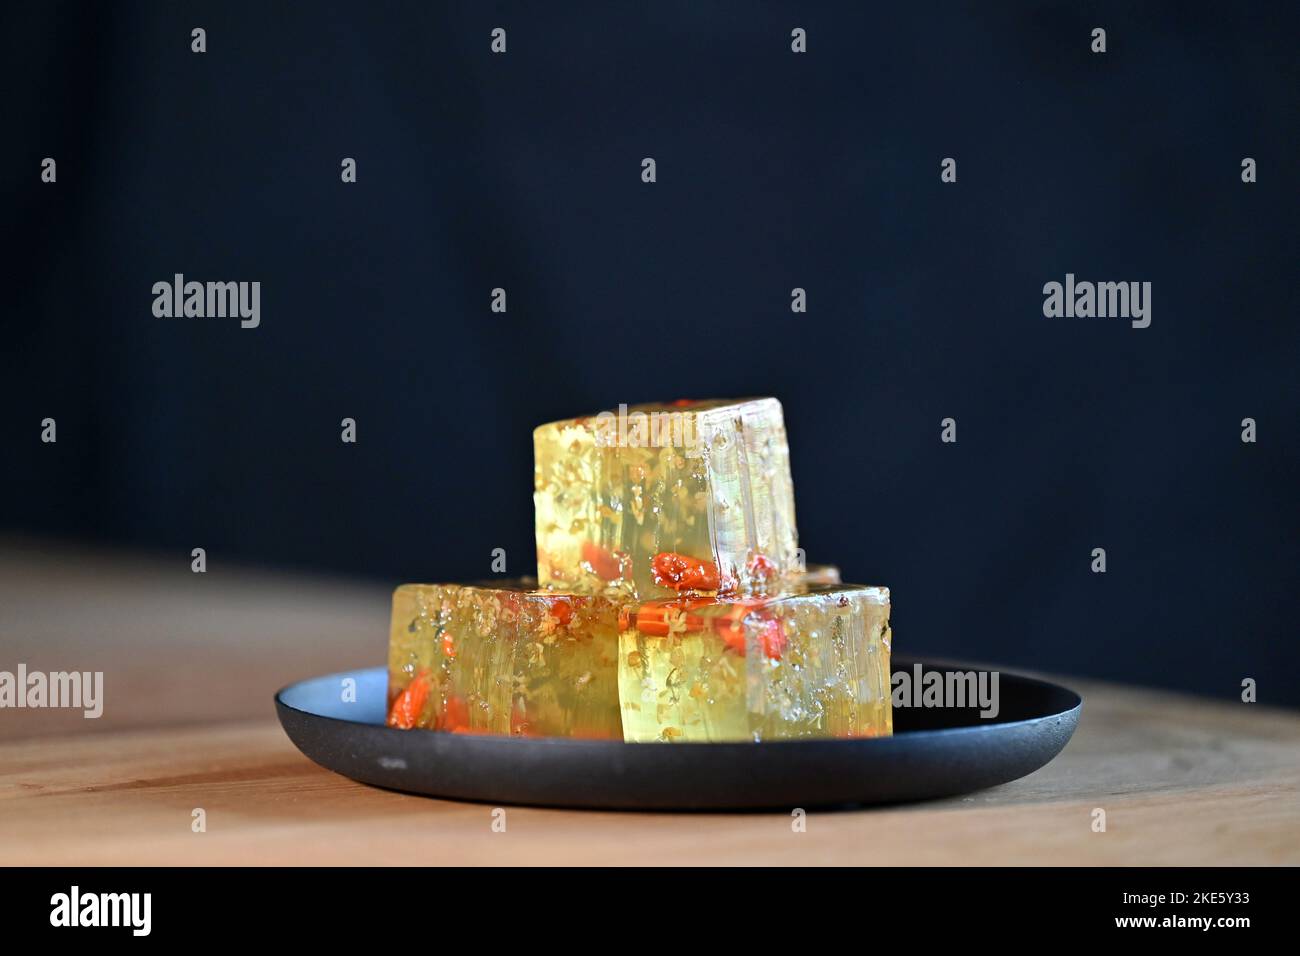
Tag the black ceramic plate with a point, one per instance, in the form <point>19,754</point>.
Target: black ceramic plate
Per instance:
<point>934,752</point>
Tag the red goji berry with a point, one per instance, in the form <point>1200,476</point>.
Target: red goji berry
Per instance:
<point>683,573</point>
<point>406,709</point>
<point>455,715</point>
<point>761,567</point>
<point>562,611</point>
<point>607,564</point>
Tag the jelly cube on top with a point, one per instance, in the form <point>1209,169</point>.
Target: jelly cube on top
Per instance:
<point>661,500</point>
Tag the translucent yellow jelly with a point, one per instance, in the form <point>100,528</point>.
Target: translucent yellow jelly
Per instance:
<point>657,500</point>
<point>503,659</point>
<point>810,664</point>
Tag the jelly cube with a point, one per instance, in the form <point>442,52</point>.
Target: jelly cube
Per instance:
<point>814,663</point>
<point>660,500</point>
<point>503,659</point>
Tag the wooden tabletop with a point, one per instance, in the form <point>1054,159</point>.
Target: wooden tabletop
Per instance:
<point>191,662</point>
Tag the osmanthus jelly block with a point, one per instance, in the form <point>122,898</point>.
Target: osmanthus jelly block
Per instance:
<point>813,663</point>
<point>503,659</point>
<point>660,500</point>
<point>506,658</point>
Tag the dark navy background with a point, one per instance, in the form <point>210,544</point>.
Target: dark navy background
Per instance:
<point>775,170</point>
